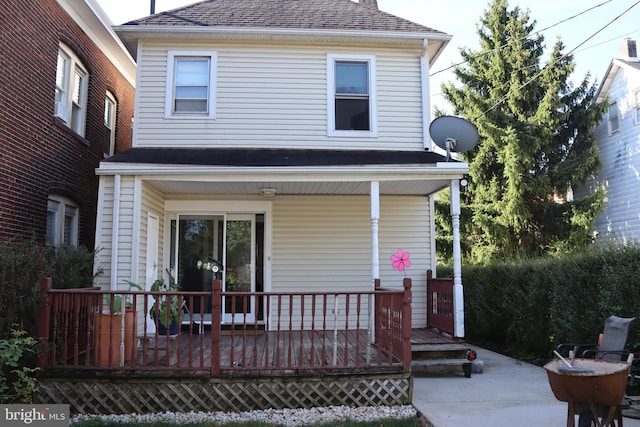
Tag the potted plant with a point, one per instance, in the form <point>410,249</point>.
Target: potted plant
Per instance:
<point>108,327</point>
<point>166,310</point>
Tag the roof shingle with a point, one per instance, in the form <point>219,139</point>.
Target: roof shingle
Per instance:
<point>283,14</point>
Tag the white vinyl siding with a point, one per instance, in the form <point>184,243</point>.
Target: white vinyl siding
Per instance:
<point>620,158</point>
<point>106,224</point>
<point>323,243</point>
<point>276,96</point>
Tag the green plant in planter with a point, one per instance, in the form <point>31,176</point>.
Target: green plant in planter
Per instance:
<point>169,310</point>
<point>117,299</point>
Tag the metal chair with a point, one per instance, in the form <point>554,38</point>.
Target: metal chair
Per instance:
<point>612,344</point>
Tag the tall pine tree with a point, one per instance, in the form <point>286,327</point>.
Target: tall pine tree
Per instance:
<point>536,143</point>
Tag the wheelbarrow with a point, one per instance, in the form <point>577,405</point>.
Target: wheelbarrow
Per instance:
<point>592,388</point>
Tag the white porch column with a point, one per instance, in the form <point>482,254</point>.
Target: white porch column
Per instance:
<point>115,233</point>
<point>375,251</point>
<point>375,219</point>
<point>458,296</point>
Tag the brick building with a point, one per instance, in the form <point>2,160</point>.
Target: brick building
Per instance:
<point>66,97</point>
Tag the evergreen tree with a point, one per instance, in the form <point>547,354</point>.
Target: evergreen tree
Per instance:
<point>536,143</point>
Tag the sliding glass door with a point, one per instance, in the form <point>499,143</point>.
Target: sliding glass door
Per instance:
<point>207,247</point>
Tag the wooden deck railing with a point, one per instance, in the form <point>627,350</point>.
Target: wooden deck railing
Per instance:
<point>440,303</point>
<point>262,333</point>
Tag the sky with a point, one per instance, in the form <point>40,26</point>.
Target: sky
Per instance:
<point>581,29</point>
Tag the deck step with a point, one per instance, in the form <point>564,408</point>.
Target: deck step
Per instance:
<point>439,347</point>
<point>440,362</point>
<point>423,365</point>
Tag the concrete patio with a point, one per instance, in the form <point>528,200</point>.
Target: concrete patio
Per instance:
<point>508,392</point>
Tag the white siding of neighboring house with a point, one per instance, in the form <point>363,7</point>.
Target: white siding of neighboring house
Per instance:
<point>324,244</point>
<point>620,158</point>
<point>276,96</point>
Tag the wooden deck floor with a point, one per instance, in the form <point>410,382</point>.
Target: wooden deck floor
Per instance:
<point>260,353</point>
<point>432,336</point>
<point>263,353</point>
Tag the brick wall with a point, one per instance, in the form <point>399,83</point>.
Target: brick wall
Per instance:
<point>39,155</point>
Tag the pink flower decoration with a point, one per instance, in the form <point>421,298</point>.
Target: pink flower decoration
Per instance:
<point>400,260</point>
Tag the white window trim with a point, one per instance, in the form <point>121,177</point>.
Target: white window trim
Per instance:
<point>109,98</point>
<point>59,205</point>
<point>610,117</point>
<point>331,95</point>
<point>636,107</point>
<point>64,106</point>
<point>169,93</point>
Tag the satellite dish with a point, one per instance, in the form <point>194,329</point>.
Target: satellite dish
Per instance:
<point>453,134</point>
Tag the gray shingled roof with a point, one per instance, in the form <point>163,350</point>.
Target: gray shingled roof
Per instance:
<point>283,14</point>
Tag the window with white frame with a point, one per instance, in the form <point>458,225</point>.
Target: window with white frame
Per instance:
<point>191,82</point>
<point>62,221</point>
<point>72,82</point>
<point>109,137</point>
<point>614,125</point>
<point>636,99</point>
<point>351,95</point>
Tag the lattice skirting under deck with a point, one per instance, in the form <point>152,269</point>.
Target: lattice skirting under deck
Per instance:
<point>121,396</point>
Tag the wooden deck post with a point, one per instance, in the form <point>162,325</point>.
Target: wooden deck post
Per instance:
<point>44,323</point>
<point>216,322</point>
<point>406,324</point>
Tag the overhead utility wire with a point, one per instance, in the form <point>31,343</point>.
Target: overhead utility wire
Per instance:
<point>522,38</point>
<point>535,76</point>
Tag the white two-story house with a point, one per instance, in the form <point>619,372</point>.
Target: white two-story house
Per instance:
<point>286,140</point>
<point>619,142</point>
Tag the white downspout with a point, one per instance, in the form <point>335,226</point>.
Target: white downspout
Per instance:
<point>115,232</point>
<point>458,296</point>
<point>426,102</point>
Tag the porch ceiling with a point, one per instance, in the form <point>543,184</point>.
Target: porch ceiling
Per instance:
<point>412,187</point>
<point>288,171</point>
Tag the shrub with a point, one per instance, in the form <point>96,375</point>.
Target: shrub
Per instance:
<point>23,264</point>
<point>21,267</point>
<point>71,267</point>
<point>17,368</point>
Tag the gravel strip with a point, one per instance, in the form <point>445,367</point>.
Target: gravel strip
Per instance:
<point>285,417</point>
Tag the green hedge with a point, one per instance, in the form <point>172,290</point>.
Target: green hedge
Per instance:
<point>529,306</point>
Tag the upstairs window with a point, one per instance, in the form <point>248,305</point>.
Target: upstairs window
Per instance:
<point>62,221</point>
<point>190,84</point>
<point>72,82</point>
<point>109,137</point>
<point>351,95</point>
<point>613,118</point>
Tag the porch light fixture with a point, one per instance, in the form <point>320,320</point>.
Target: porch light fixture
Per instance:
<point>267,192</point>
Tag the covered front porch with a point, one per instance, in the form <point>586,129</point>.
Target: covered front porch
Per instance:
<point>274,220</point>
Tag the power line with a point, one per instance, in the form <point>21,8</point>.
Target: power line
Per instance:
<point>522,38</point>
<point>535,76</point>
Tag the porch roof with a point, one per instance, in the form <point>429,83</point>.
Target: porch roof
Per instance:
<point>288,171</point>
<point>265,157</point>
